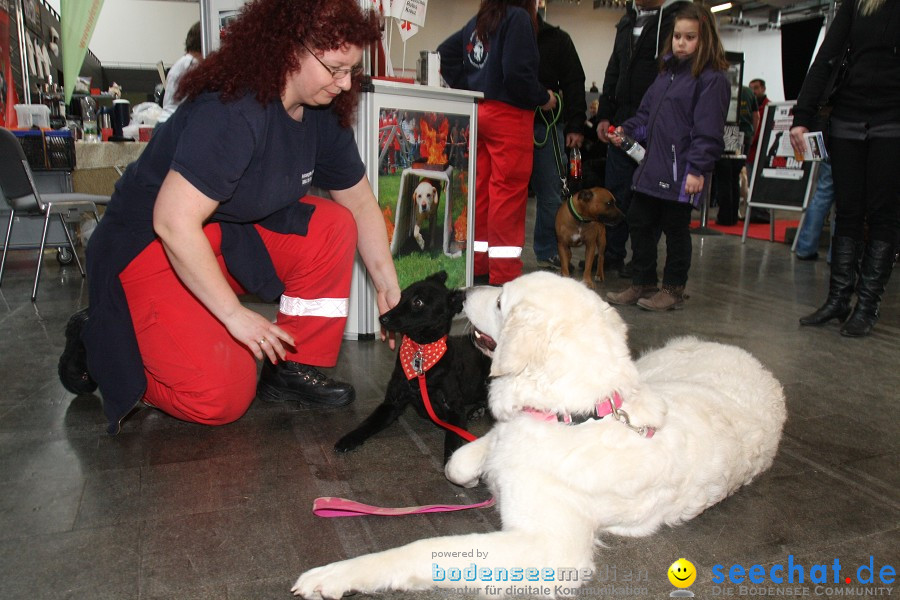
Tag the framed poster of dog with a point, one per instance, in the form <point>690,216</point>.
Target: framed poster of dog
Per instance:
<point>418,144</point>
<point>421,155</point>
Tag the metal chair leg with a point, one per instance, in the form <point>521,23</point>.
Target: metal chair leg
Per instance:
<point>71,244</point>
<point>12,214</point>
<point>37,271</point>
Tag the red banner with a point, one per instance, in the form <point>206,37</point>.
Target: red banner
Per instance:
<point>8,96</point>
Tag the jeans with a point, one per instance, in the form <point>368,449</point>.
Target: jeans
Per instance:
<point>620,170</point>
<point>816,212</point>
<point>547,186</point>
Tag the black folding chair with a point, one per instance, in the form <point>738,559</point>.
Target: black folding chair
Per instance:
<point>17,185</point>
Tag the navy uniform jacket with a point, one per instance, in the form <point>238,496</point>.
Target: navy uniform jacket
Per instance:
<point>503,68</point>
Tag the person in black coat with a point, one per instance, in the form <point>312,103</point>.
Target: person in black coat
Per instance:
<point>559,70</point>
<point>864,144</point>
<point>634,64</point>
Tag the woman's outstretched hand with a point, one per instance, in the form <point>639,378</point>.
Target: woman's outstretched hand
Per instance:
<point>264,338</point>
<point>387,300</point>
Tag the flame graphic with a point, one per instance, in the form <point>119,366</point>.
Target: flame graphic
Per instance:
<point>435,129</point>
<point>459,226</point>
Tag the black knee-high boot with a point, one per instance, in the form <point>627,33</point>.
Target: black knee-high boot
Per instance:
<point>845,252</point>
<point>877,264</point>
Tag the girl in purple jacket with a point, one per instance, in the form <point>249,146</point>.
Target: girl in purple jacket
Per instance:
<point>680,122</point>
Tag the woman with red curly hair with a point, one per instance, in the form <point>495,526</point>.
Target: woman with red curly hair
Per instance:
<point>217,206</point>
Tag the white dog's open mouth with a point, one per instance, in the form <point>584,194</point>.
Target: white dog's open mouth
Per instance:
<point>483,341</point>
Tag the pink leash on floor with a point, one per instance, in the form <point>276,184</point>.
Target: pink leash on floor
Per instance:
<point>415,359</point>
<point>328,506</point>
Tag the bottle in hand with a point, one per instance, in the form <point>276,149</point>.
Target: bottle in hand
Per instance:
<point>629,146</point>
<point>575,164</point>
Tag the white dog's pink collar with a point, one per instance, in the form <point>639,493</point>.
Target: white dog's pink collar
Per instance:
<point>611,405</point>
<point>601,409</point>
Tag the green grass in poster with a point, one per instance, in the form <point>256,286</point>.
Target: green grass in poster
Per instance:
<point>414,266</point>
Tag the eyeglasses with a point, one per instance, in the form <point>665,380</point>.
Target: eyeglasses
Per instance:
<point>336,73</point>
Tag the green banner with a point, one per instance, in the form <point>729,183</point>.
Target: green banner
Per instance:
<point>77,20</point>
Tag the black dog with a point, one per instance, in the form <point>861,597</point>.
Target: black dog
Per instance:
<point>456,383</point>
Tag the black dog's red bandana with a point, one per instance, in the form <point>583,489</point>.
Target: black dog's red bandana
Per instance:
<point>417,358</point>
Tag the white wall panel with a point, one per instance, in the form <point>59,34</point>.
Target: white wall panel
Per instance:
<point>141,31</point>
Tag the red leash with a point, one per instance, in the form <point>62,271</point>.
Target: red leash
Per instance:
<point>415,360</point>
<point>427,402</point>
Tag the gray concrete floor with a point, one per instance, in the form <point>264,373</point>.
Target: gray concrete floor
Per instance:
<point>170,510</point>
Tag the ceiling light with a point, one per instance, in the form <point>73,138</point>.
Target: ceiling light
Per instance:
<point>721,7</point>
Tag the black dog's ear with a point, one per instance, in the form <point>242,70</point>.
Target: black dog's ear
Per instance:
<point>455,301</point>
<point>440,277</point>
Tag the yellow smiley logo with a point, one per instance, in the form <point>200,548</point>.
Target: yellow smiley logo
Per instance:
<point>682,573</point>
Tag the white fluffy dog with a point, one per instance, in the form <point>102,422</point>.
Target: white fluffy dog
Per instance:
<point>562,475</point>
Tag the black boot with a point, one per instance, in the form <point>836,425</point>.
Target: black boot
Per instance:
<point>878,261</point>
<point>72,367</point>
<point>845,254</point>
<point>294,381</point>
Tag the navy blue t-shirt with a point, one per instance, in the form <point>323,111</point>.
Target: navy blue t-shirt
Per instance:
<point>253,159</point>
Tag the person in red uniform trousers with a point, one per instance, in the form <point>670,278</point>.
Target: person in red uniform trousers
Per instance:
<point>217,205</point>
<point>496,53</point>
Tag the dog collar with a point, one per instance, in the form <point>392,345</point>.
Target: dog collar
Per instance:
<point>611,405</point>
<point>575,214</point>
<point>601,409</point>
<point>417,358</point>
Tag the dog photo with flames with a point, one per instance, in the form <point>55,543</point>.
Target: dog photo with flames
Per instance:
<point>423,191</point>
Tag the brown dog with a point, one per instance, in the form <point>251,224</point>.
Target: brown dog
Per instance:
<point>582,221</point>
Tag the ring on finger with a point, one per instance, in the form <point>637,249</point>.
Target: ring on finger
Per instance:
<point>262,341</point>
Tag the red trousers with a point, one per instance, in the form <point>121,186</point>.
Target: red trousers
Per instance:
<point>503,167</point>
<point>195,370</point>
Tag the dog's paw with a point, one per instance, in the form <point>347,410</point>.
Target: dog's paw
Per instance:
<point>461,471</point>
<point>360,574</point>
<point>321,583</point>
<point>589,282</point>
<point>421,241</point>
<point>348,443</point>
